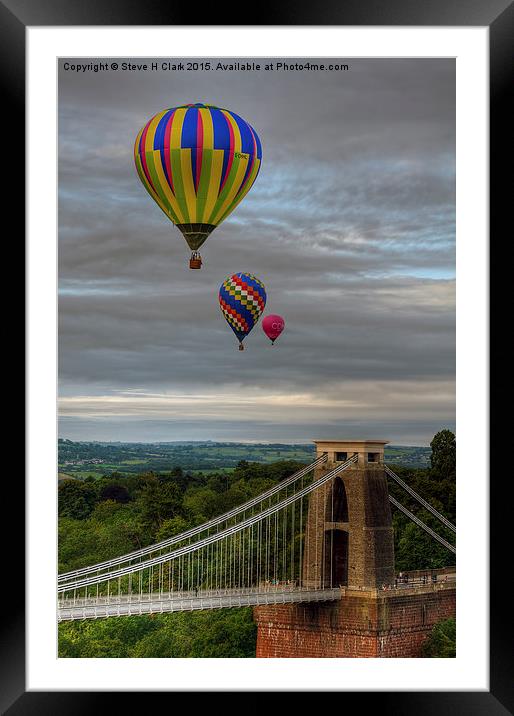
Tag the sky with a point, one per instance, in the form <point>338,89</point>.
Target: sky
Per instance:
<point>350,225</point>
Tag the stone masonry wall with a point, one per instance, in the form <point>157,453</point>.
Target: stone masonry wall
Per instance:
<point>367,624</point>
<point>370,557</point>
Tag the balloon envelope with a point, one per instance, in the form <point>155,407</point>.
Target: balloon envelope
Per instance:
<point>242,298</point>
<point>197,162</point>
<point>273,325</point>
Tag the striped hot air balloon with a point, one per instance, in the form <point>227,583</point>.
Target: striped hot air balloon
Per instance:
<point>242,299</point>
<point>197,162</point>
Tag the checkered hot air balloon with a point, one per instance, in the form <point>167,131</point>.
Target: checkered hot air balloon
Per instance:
<point>197,162</point>
<point>242,299</point>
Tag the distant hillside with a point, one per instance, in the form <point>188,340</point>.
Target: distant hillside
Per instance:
<point>80,459</point>
<point>65,476</point>
<point>408,455</point>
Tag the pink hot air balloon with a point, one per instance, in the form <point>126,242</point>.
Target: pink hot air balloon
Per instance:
<point>273,326</point>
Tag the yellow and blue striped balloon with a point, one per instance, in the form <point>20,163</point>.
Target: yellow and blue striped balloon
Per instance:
<point>197,162</point>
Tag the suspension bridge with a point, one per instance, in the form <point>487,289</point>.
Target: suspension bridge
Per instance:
<point>323,532</point>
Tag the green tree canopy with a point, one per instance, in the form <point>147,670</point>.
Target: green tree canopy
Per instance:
<point>76,499</point>
<point>158,502</point>
<point>442,460</point>
<point>441,644</point>
<point>116,493</point>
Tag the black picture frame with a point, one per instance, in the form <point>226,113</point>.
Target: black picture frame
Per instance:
<point>498,15</point>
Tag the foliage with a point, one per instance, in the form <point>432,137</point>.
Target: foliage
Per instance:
<point>414,548</point>
<point>441,644</point>
<point>76,499</point>
<point>112,529</point>
<point>211,634</point>
<point>115,492</point>
<point>442,460</point>
<point>158,502</point>
<point>172,527</point>
<point>113,638</point>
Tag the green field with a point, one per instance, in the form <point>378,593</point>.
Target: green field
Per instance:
<point>84,459</point>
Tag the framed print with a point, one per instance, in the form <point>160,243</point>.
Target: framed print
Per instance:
<point>288,487</point>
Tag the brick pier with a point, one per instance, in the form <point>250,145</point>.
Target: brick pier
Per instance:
<point>364,623</point>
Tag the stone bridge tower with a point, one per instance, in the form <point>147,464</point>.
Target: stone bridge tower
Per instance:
<point>349,544</point>
<point>349,532</point>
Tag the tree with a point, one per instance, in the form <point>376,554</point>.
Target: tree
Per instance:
<point>202,504</point>
<point>172,527</point>
<point>116,493</point>
<point>158,502</point>
<point>111,529</point>
<point>441,644</point>
<point>415,549</point>
<point>223,633</point>
<point>110,638</point>
<point>76,499</point>
<point>442,460</point>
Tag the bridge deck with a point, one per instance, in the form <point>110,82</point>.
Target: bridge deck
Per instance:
<point>124,605</point>
<point>166,602</point>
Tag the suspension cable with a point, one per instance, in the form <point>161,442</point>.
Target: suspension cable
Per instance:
<point>228,531</point>
<point>70,576</point>
<point>422,524</point>
<point>417,497</point>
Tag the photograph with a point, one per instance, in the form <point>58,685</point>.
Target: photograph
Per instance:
<point>261,288</point>
<point>256,357</point>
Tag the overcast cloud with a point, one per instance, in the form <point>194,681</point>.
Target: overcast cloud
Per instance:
<point>350,224</point>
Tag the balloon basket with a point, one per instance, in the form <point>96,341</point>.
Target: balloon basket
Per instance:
<point>241,347</point>
<point>195,262</point>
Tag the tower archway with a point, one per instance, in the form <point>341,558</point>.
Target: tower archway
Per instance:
<point>337,507</point>
<point>349,535</point>
<point>336,558</point>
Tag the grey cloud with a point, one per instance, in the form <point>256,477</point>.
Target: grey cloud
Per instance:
<point>350,225</point>
<point>137,429</point>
